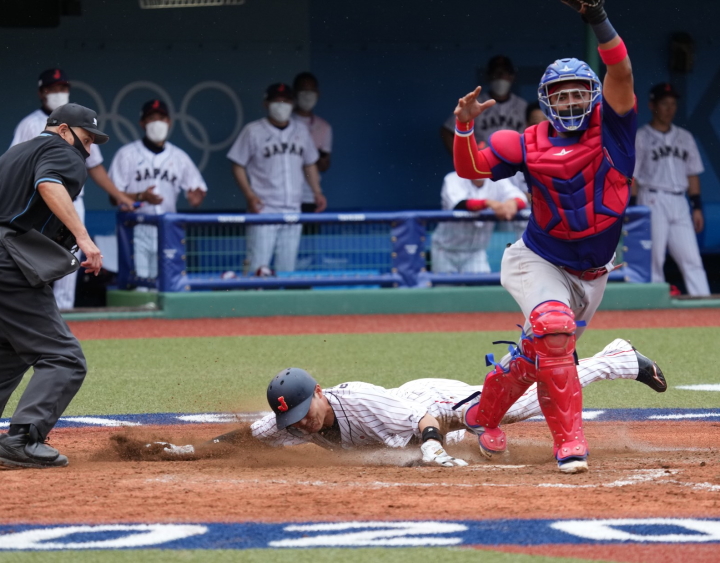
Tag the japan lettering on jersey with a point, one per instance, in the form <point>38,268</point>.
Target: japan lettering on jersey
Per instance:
<point>665,160</point>
<point>135,168</point>
<point>366,415</point>
<point>274,160</point>
<point>509,114</point>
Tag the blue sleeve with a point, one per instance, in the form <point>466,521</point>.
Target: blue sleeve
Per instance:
<point>618,138</point>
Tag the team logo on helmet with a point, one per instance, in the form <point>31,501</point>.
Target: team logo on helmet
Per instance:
<point>283,405</point>
<point>57,74</point>
<point>573,118</point>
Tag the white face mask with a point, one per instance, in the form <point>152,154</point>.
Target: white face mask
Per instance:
<point>306,99</point>
<point>500,86</point>
<point>56,99</point>
<point>157,131</point>
<point>280,111</point>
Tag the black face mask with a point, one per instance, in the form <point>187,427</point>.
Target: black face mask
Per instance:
<point>79,145</point>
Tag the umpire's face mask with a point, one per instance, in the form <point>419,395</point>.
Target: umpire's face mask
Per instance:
<point>78,144</point>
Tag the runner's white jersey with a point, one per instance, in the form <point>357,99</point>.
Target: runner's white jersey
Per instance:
<point>274,159</point>
<point>33,124</point>
<point>468,236</point>
<point>321,133</point>
<point>135,168</point>
<point>663,161</point>
<point>509,114</point>
<point>367,415</point>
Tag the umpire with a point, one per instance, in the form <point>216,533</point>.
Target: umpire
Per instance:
<point>39,179</point>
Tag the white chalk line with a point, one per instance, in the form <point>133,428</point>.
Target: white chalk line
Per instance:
<point>636,477</point>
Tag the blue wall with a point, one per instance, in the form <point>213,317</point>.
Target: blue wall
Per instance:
<point>390,73</point>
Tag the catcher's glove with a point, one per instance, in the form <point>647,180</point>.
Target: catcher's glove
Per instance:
<point>592,11</point>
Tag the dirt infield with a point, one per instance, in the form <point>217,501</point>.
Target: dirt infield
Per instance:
<point>637,470</point>
<point>358,324</point>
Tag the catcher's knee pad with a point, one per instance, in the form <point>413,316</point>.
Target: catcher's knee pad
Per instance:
<point>559,389</point>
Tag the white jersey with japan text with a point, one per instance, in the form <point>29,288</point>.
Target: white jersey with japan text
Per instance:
<point>33,124</point>
<point>509,114</point>
<point>663,161</point>
<point>321,133</point>
<point>274,160</point>
<point>135,168</point>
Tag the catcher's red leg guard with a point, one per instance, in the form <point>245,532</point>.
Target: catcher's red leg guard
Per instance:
<point>500,390</point>
<point>559,389</point>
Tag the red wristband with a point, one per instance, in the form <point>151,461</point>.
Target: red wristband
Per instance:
<point>615,55</point>
<point>475,204</point>
<point>520,203</point>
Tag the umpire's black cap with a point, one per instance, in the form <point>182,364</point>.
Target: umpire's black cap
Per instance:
<point>289,395</point>
<point>75,115</point>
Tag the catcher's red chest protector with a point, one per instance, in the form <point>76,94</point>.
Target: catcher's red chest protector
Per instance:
<point>576,193</point>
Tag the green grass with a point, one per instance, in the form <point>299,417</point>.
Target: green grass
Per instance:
<point>396,555</point>
<point>226,373</point>
<point>217,374</point>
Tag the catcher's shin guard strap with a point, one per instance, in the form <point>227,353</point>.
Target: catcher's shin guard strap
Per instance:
<point>500,390</point>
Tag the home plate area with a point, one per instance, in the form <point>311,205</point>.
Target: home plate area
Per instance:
<point>652,492</point>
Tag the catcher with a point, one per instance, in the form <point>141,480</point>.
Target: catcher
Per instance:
<point>420,412</point>
<point>578,166</point>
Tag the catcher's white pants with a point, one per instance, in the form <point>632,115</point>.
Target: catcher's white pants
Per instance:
<point>265,240</point>
<point>532,280</point>
<point>64,288</point>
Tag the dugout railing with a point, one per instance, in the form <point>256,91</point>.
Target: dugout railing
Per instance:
<point>209,251</point>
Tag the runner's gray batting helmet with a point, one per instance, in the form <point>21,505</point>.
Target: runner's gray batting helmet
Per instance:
<point>289,395</point>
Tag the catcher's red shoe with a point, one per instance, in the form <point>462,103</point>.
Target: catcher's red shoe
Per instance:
<point>492,442</point>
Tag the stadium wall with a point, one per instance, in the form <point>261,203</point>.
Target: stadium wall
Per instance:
<point>390,74</point>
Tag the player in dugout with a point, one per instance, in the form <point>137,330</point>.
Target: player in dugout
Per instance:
<point>424,412</point>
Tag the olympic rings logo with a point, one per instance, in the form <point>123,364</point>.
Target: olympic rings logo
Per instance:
<point>192,128</point>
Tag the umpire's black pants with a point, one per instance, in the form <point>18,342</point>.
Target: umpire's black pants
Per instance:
<point>34,334</point>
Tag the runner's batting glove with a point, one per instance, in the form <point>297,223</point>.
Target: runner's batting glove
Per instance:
<point>172,449</point>
<point>434,453</point>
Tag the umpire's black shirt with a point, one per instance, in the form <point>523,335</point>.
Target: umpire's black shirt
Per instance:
<point>46,158</point>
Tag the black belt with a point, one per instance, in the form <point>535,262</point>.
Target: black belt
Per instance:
<point>663,191</point>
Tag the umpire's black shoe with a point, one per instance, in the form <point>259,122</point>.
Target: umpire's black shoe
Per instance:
<point>650,374</point>
<point>20,451</point>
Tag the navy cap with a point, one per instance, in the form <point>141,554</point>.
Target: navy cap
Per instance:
<point>75,115</point>
<point>154,106</point>
<point>52,76</point>
<point>289,395</point>
<point>279,90</point>
<point>660,91</point>
<point>500,62</point>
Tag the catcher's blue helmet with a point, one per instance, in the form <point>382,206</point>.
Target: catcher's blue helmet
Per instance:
<point>289,395</point>
<point>566,70</point>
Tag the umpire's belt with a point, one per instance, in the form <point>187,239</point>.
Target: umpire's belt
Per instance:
<point>587,275</point>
